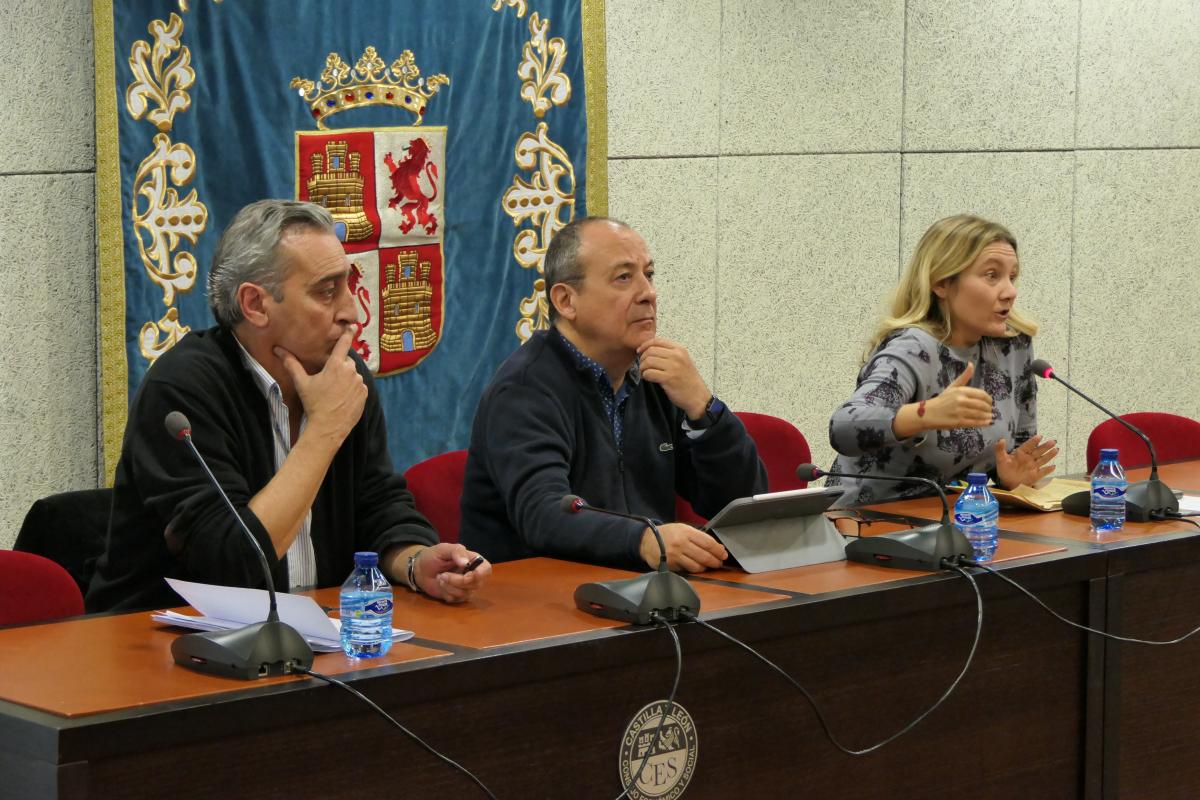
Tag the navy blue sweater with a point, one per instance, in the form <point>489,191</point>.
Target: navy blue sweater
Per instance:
<point>540,432</point>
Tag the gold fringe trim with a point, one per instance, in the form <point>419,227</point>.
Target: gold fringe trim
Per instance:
<point>110,245</point>
<point>595,83</point>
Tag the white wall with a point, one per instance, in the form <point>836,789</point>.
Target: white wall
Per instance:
<point>781,157</point>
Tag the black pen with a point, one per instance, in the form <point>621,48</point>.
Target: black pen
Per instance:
<point>474,563</point>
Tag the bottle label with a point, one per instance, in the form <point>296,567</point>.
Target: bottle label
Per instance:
<point>381,606</point>
<point>967,518</point>
<point>1109,492</point>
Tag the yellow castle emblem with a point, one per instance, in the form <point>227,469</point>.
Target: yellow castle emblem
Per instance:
<point>406,302</point>
<point>337,184</point>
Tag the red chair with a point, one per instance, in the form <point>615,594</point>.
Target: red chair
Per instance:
<point>781,447</point>
<point>437,484</point>
<point>1175,438</point>
<point>35,589</point>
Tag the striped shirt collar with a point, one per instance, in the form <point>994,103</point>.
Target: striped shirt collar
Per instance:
<point>266,384</point>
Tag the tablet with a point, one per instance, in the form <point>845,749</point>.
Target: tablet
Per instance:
<point>776,505</point>
<point>781,530</point>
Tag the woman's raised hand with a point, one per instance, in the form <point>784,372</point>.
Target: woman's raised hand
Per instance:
<point>960,405</point>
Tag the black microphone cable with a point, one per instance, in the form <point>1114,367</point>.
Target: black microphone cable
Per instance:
<point>817,709</point>
<point>428,747</point>
<point>1182,517</point>
<point>659,618</point>
<point>1080,626</point>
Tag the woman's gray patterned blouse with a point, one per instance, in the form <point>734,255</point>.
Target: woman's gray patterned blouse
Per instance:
<point>908,366</point>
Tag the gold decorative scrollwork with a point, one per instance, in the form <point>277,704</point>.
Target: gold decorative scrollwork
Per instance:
<point>157,338</point>
<point>547,197</point>
<point>163,81</point>
<point>519,5</point>
<point>542,198</point>
<point>535,312</point>
<point>161,218</point>
<point>541,69</point>
<point>162,74</point>
<point>547,200</point>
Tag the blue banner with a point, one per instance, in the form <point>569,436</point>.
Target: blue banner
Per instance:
<point>449,139</point>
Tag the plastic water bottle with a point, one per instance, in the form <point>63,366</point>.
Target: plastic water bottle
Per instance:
<point>1108,493</point>
<point>977,515</point>
<point>366,609</point>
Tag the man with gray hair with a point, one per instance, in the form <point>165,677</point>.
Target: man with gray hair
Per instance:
<point>288,419</point>
<point>602,407</point>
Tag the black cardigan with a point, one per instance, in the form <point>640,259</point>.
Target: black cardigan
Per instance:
<point>540,432</point>
<point>362,503</point>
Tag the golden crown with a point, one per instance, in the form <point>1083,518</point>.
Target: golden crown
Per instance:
<point>370,82</point>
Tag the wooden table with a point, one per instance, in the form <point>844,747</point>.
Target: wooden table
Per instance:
<point>533,695</point>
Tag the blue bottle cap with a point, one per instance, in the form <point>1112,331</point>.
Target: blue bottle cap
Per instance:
<point>1109,452</point>
<point>366,559</point>
<point>977,478</point>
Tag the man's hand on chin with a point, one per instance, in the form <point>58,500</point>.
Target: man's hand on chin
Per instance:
<point>669,365</point>
<point>333,398</point>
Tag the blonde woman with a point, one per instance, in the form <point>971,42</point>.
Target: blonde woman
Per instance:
<point>946,387</point>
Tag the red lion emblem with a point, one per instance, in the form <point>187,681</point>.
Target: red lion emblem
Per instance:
<point>406,183</point>
<point>363,296</point>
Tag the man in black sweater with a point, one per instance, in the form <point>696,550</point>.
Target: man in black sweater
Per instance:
<point>600,406</point>
<point>288,419</point>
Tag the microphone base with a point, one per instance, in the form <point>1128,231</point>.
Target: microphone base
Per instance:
<point>255,651</point>
<point>633,600</point>
<point>921,549</point>
<point>1144,501</point>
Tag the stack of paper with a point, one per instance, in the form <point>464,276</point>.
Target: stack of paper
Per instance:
<point>224,608</point>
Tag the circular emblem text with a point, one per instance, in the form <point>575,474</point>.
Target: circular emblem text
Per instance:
<point>658,764</point>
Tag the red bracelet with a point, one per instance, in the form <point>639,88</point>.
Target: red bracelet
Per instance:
<point>921,409</point>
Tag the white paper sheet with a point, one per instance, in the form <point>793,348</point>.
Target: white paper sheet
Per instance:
<point>229,607</point>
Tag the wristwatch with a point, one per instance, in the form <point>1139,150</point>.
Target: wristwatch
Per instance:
<point>712,413</point>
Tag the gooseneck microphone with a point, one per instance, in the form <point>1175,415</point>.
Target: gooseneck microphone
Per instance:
<point>1144,500</point>
<point>255,651</point>
<point>922,548</point>
<point>637,600</point>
